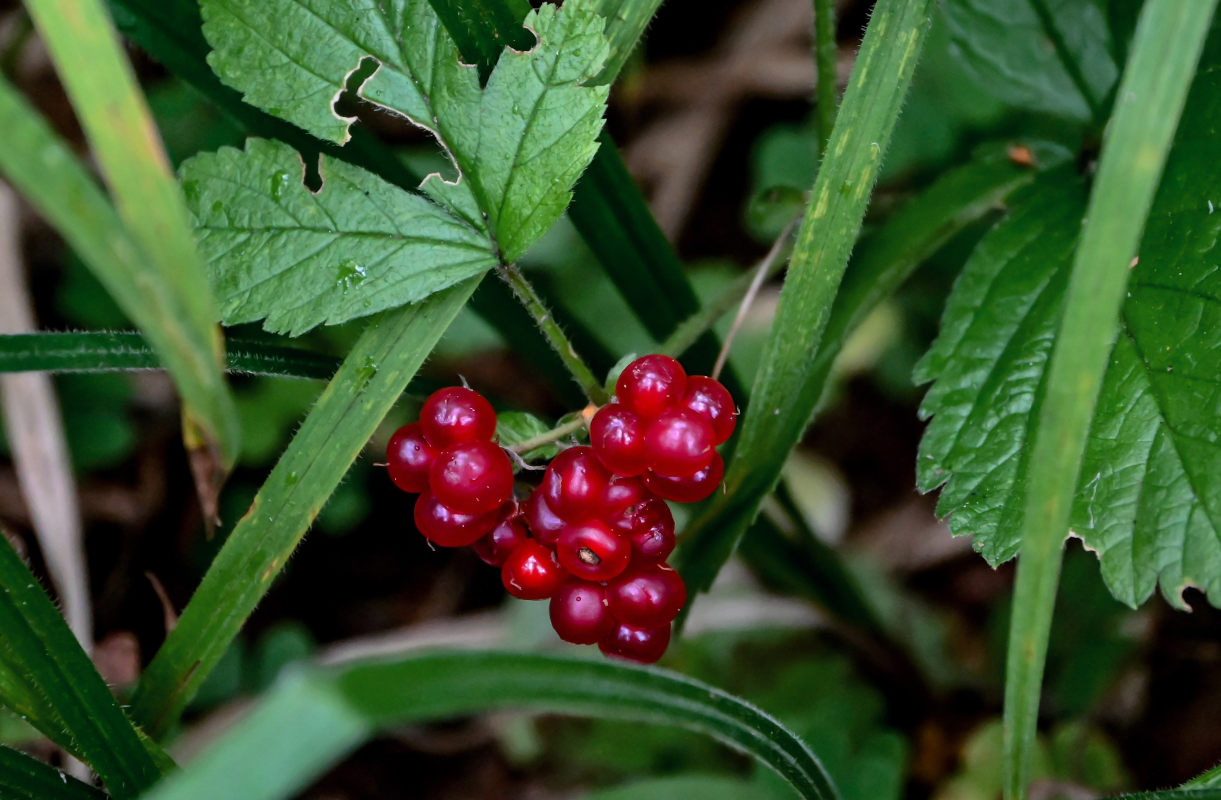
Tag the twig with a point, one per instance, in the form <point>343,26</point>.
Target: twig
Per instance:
<point>550,329</point>
<point>770,261</point>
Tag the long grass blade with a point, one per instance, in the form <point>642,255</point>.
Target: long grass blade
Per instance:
<point>312,719</point>
<point>25,778</point>
<point>1167,44</point>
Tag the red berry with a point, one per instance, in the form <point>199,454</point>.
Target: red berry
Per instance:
<point>679,444</point>
<point>446,527</point>
<point>651,384</point>
<point>645,645</point>
<point>620,499</point>
<point>711,402</point>
<point>691,488</point>
<point>531,571</point>
<point>652,535</point>
<point>617,436</point>
<point>646,596</point>
<point>579,614</point>
<point>573,484</point>
<point>495,547</point>
<point>408,457</point>
<point>472,477</point>
<point>544,523</point>
<point>456,414</point>
<point>590,551</point>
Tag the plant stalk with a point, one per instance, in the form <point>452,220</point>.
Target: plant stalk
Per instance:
<point>826,54</point>
<point>577,368</point>
<point>553,435</point>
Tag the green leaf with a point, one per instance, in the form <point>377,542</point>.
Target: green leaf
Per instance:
<point>315,717</point>
<point>162,285</point>
<point>705,787</point>
<point>300,258</point>
<point>783,397</point>
<point>356,400</point>
<point>1171,794</point>
<point>107,351</point>
<point>1044,55</point>
<point>1149,497</point>
<point>25,778</point>
<point>518,144</point>
<point>515,427</point>
<point>61,693</point>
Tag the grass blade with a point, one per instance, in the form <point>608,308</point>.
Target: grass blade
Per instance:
<point>38,647</point>
<point>26,778</point>
<point>784,396</point>
<point>312,719</point>
<point>110,351</point>
<point>370,379</point>
<point>1167,44</point>
<point>1171,794</point>
<point>626,21</point>
<point>175,304</point>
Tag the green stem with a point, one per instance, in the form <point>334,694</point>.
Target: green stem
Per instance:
<point>826,54</point>
<point>1165,49</point>
<point>580,372</point>
<point>553,435</point>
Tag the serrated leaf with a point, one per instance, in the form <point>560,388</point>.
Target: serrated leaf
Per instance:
<point>299,258</point>
<point>1044,55</point>
<point>1149,498</point>
<point>515,427</point>
<point>518,144</point>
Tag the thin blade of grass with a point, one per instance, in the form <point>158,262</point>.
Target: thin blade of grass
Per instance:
<point>1171,794</point>
<point>38,647</point>
<point>784,396</point>
<point>1167,44</point>
<point>626,21</point>
<point>26,778</point>
<point>313,718</point>
<point>175,305</point>
<point>367,384</point>
<point>110,351</point>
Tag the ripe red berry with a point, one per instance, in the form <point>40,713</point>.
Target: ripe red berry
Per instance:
<point>456,414</point>
<point>590,551</point>
<point>690,489</point>
<point>617,436</point>
<point>472,477</point>
<point>579,614</point>
<point>678,443</point>
<point>646,596</point>
<point>711,402</point>
<point>495,547</point>
<point>573,484</point>
<point>645,645</point>
<point>446,527</point>
<point>652,535</point>
<point>544,523</point>
<point>531,571</point>
<point>408,457</point>
<point>619,500</point>
<point>650,385</point>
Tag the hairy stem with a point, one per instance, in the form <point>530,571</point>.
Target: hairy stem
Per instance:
<point>825,52</point>
<point>553,435</point>
<point>554,334</point>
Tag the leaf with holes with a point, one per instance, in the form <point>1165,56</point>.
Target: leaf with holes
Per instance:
<point>357,246</point>
<point>517,145</point>
<point>1149,498</point>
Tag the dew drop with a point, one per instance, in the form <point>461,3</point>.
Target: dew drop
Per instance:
<point>280,183</point>
<point>349,273</point>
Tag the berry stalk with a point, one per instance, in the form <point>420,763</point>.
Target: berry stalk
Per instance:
<point>555,434</point>
<point>554,334</point>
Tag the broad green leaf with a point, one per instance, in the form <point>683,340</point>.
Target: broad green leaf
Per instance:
<point>1044,55</point>
<point>300,258</point>
<point>48,678</point>
<point>518,144</point>
<point>313,718</point>
<point>375,372</point>
<point>1149,498</point>
<point>26,778</point>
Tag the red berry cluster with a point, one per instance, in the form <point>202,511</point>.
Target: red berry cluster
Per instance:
<point>595,534</point>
